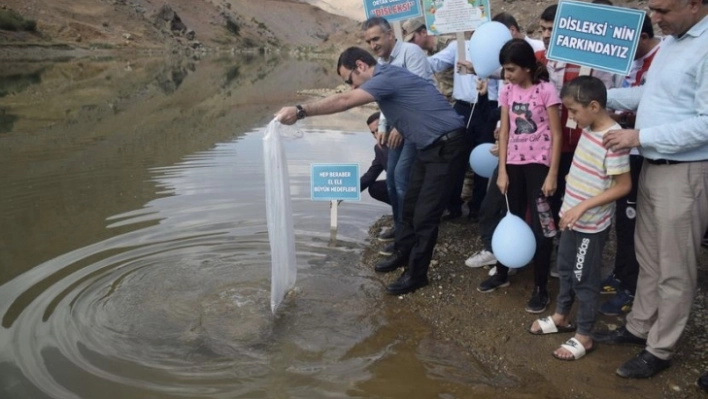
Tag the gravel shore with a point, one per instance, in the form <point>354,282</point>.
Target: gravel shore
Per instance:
<point>493,327</point>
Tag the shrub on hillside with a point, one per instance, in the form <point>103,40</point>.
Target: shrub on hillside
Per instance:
<point>11,20</point>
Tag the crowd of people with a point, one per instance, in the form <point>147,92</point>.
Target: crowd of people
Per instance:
<point>592,146</point>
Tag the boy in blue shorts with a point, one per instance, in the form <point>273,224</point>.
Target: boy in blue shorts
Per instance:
<point>597,178</point>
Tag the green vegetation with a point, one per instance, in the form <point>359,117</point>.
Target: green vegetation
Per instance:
<point>11,20</point>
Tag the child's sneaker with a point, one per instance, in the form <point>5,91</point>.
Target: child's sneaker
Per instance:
<point>493,272</point>
<point>610,285</point>
<point>539,301</point>
<point>620,303</point>
<point>492,283</point>
<point>481,258</point>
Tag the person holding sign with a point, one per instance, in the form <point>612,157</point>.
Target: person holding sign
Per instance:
<point>671,132</point>
<point>415,31</point>
<point>426,120</point>
<point>529,150</point>
<point>560,73</point>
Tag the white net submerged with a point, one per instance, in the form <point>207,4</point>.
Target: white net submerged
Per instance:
<point>281,233</point>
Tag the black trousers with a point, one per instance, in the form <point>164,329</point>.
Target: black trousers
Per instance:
<point>626,264</point>
<point>428,192</point>
<point>475,120</point>
<point>491,212</point>
<point>378,190</point>
<point>525,183</point>
<point>556,200</point>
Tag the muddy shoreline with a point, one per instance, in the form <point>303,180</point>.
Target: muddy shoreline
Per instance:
<point>493,327</point>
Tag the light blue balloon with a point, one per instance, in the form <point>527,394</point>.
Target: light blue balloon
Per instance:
<point>485,44</point>
<point>482,161</point>
<point>513,242</point>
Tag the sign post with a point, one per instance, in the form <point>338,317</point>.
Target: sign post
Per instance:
<point>596,36</point>
<point>455,16</point>
<point>334,183</point>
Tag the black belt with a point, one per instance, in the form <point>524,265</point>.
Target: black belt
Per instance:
<point>465,103</point>
<point>664,161</point>
<point>450,135</point>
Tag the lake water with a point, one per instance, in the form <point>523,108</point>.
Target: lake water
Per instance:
<point>134,251</point>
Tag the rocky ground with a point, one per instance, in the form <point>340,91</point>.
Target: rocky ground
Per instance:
<point>493,327</point>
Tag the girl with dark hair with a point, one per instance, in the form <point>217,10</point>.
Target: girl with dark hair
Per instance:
<point>529,151</point>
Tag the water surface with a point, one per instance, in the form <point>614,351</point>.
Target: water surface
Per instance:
<point>134,248</point>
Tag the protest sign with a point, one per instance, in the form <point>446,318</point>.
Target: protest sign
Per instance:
<point>596,36</point>
<point>331,182</point>
<point>451,16</point>
<point>392,10</point>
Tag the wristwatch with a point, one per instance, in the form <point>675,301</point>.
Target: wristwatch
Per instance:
<point>301,114</point>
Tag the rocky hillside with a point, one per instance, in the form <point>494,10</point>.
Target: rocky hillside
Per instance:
<point>160,24</point>
<point>204,25</point>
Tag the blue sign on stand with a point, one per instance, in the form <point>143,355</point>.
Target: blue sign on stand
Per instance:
<point>597,36</point>
<point>331,182</point>
<point>392,10</point>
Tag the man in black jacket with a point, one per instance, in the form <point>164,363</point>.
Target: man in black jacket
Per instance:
<point>377,188</point>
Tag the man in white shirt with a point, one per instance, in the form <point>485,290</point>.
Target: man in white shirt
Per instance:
<point>510,22</point>
<point>671,132</point>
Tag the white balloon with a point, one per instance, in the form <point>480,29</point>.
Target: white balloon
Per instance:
<point>485,44</point>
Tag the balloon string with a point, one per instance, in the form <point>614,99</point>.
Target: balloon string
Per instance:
<point>507,203</point>
<point>471,113</point>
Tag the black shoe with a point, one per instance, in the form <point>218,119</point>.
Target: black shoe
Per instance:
<point>703,382</point>
<point>539,301</point>
<point>492,283</point>
<point>406,284</point>
<point>644,365</point>
<point>387,235</point>
<point>391,263</point>
<point>388,250</point>
<point>452,215</point>
<point>473,214</point>
<point>620,336</point>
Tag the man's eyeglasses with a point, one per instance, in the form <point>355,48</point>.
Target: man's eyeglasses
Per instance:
<point>349,79</point>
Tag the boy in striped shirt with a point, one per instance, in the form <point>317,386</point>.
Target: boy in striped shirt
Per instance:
<point>597,178</point>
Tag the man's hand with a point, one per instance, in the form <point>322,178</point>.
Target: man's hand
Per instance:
<point>465,66</point>
<point>287,115</point>
<point>494,150</point>
<point>616,140</point>
<point>482,86</point>
<point>395,139</point>
<point>381,139</point>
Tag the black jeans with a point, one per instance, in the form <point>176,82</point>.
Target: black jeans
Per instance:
<point>379,191</point>
<point>428,192</point>
<point>626,264</point>
<point>525,183</point>
<point>475,121</point>
<point>491,212</point>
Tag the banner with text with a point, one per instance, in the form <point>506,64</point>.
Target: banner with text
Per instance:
<point>329,182</point>
<point>597,36</point>
<point>451,16</point>
<point>392,10</point>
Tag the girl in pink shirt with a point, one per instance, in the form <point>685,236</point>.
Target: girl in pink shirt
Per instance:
<point>529,152</point>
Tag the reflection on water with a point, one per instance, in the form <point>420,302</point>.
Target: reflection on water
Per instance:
<point>135,253</point>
